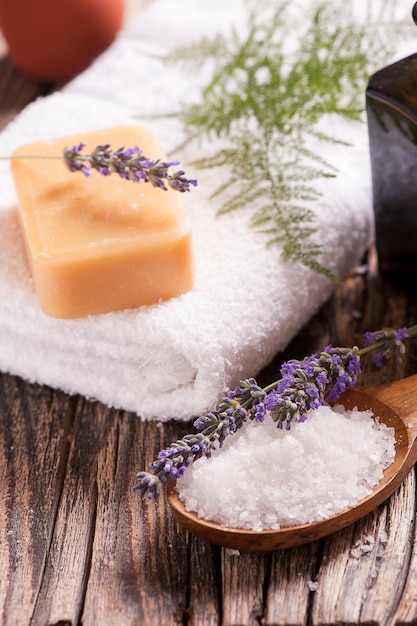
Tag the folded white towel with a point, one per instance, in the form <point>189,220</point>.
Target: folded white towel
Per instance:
<point>174,359</point>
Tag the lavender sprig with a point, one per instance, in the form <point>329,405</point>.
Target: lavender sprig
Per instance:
<point>245,402</point>
<point>311,383</point>
<point>390,343</point>
<point>305,384</point>
<point>172,462</point>
<point>130,164</point>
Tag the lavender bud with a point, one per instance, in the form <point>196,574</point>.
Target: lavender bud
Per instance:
<point>129,164</point>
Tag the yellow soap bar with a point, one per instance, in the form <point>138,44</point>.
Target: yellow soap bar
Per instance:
<point>100,243</point>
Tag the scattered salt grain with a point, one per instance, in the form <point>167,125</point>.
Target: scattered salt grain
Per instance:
<point>232,552</point>
<point>265,478</point>
<point>363,547</point>
<point>313,585</point>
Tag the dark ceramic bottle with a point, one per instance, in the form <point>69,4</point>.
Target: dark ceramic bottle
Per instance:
<point>391,100</point>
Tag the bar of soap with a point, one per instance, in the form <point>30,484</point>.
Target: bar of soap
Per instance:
<point>100,243</point>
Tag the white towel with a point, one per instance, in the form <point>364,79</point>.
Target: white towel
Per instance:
<point>174,359</point>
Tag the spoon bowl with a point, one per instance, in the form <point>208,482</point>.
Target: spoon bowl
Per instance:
<point>394,404</point>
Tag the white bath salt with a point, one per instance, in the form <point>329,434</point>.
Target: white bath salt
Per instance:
<point>266,478</point>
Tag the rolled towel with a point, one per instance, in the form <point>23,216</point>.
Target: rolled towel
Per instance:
<point>175,358</point>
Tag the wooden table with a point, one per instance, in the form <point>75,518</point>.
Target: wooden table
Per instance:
<point>78,547</point>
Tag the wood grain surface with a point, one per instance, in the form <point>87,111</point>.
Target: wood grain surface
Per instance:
<point>77,547</point>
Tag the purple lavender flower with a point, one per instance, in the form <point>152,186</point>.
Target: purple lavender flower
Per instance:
<point>148,485</point>
<point>401,333</point>
<point>389,342</point>
<point>310,383</point>
<point>129,164</point>
<point>260,412</point>
<point>73,160</point>
<point>172,463</point>
<point>378,359</point>
<point>321,379</point>
<point>304,385</point>
<point>243,403</point>
<point>370,337</point>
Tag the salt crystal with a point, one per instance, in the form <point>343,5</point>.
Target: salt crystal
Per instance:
<point>356,553</point>
<point>367,548</point>
<point>363,547</point>
<point>266,478</point>
<point>380,551</point>
<point>232,552</point>
<point>313,585</point>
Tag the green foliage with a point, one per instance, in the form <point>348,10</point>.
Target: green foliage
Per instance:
<point>265,103</point>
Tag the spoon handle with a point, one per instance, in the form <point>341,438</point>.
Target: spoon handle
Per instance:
<point>400,395</point>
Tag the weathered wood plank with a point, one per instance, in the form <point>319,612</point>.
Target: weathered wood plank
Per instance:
<point>34,425</point>
<point>16,91</point>
<point>243,579</point>
<point>406,611</point>
<point>61,595</point>
<point>204,584</point>
<point>292,582</point>
<point>365,302</point>
<point>140,557</point>
<point>392,564</point>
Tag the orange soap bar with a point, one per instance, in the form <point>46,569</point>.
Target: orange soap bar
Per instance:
<point>100,243</point>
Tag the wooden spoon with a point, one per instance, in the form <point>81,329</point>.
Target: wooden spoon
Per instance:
<point>395,404</point>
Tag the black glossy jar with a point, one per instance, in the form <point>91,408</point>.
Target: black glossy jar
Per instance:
<point>391,100</point>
